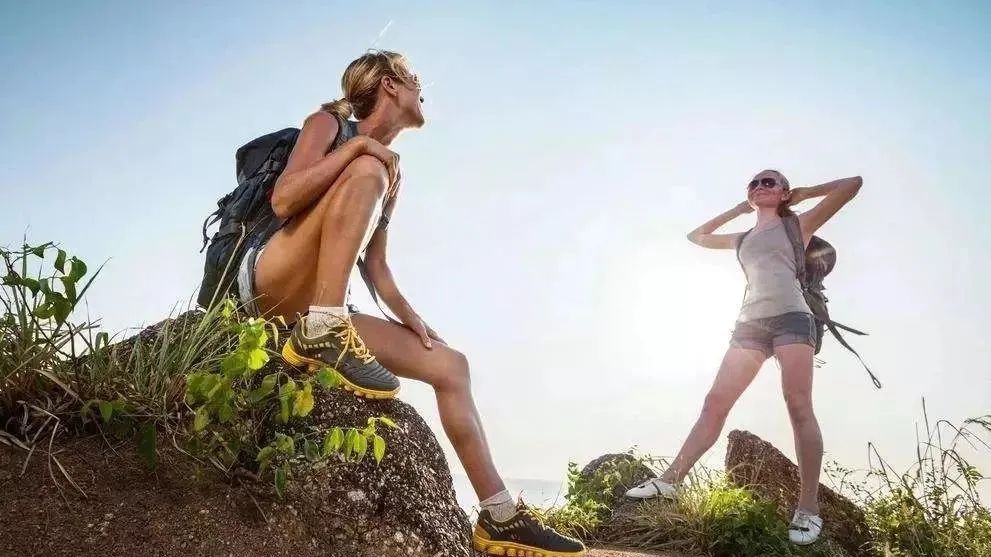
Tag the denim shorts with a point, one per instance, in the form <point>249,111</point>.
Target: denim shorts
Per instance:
<point>768,333</point>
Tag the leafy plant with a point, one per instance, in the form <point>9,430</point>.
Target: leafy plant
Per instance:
<point>231,409</point>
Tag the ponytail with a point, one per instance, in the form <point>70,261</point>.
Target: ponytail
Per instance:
<point>342,108</point>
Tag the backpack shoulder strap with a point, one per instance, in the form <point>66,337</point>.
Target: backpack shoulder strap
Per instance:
<point>793,229</point>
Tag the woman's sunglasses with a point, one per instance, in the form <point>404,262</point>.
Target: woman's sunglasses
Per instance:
<point>769,183</point>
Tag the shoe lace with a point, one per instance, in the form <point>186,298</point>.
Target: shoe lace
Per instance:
<point>352,342</point>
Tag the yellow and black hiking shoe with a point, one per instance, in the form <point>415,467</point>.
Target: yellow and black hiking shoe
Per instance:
<point>523,535</point>
<point>343,352</point>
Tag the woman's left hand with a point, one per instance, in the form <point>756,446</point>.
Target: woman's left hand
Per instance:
<point>798,195</point>
<point>415,323</point>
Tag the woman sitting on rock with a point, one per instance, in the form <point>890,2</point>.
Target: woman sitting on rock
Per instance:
<point>775,320</point>
<point>335,196</point>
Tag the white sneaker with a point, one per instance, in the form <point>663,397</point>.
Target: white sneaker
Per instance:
<point>654,487</point>
<point>805,528</point>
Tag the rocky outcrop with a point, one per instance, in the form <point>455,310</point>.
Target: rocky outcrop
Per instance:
<point>403,507</point>
<point>757,465</point>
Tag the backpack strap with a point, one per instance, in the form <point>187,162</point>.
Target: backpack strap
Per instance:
<point>739,245</point>
<point>793,229</point>
<point>363,270</point>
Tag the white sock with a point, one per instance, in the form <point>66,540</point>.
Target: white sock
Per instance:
<point>501,506</point>
<point>322,319</point>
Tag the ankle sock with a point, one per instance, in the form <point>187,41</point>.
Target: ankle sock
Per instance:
<point>501,506</point>
<point>322,319</point>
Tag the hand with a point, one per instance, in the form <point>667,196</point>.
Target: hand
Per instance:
<point>415,323</point>
<point>798,195</point>
<point>388,157</point>
<point>744,207</point>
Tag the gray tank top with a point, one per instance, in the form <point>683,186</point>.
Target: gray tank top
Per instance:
<point>768,261</point>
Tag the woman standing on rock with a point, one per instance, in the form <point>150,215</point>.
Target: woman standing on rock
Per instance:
<point>775,320</point>
<point>335,198</point>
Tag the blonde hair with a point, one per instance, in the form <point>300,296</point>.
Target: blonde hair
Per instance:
<point>361,80</point>
<point>783,209</point>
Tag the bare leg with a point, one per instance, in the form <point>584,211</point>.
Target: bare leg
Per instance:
<point>737,371</point>
<point>446,370</point>
<point>796,382</point>
<point>309,261</point>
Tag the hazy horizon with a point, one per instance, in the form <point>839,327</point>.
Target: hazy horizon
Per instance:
<point>568,149</point>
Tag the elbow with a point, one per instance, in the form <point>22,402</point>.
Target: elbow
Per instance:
<point>692,237</point>
<point>281,205</point>
<point>856,183</point>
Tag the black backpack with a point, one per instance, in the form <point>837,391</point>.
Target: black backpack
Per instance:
<point>813,263</point>
<point>246,216</point>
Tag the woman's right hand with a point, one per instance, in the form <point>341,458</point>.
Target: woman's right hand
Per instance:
<point>369,146</point>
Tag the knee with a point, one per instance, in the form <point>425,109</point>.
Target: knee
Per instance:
<point>716,407</point>
<point>799,404</point>
<point>455,373</point>
<point>367,166</point>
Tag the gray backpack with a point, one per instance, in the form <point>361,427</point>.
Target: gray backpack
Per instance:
<point>813,263</point>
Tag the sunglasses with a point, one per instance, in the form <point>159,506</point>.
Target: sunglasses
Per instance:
<point>769,183</point>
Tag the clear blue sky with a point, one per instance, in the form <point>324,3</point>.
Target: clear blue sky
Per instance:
<point>569,148</point>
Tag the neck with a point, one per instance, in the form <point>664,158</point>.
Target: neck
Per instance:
<point>380,127</point>
<point>767,216</point>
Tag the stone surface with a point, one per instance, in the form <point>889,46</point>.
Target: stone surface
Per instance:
<point>757,465</point>
<point>403,507</point>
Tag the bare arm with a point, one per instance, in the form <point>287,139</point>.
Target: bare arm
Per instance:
<point>705,237</point>
<point>385,283</point>
<point>836,194</point>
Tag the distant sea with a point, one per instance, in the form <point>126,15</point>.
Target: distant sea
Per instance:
<point>542,493</point>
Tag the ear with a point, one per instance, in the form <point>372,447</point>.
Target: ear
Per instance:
<point>786,196</point>
<point>389,85</point>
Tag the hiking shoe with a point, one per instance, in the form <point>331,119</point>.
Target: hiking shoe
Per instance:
<point>523,535</point>
<point>654,487</point>
<point>343,352</point>
<point>804,528</point>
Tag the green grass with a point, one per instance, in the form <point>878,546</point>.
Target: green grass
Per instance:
<point>933,509</point>
<point>195,380</point>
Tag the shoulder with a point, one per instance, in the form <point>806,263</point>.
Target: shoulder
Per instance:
<point>321,121</point>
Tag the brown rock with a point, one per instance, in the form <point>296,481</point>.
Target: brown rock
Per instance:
<point>757,465</point>
<point>403,507</point>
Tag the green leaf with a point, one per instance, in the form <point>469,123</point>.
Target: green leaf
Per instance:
<point>328,378</point>
<point>360,446</point>
<point>233,364</point>
<point>12,279</point>
<point>60,261</point>
<point>280,479</point>
<point>348,447</point>
<point>265,454</point>
<point>264,389</point>
<point>388,422</point>
<point>69,286</point>
<point>39,251</point>
<point>333,441</point>
<point>31,284</point>
<point>256,359</point>
<point>63,307</point>
<point>225,412</point>
<point>102,340</point>
<point>310,451</point>
<point>284,407</point>
<point>106,411</point>
<point>202,419</point>
<point>147,441</point>
<point>378,448</point>
<point>78,269</point>
<point>285,444</point>
<point>45,310</point>
<point>45,286</point>
<point>303,402</point>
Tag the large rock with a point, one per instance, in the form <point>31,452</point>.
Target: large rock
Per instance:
<point>757,465</point>
<point>404,507</point>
